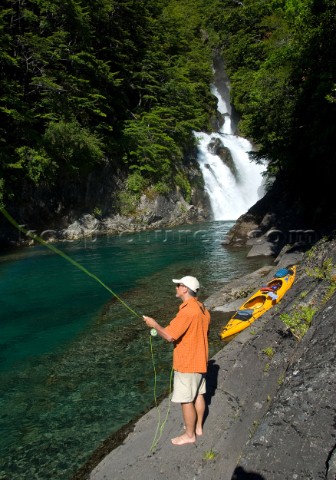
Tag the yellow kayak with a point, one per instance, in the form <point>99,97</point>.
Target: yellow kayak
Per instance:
<point>261,301</point>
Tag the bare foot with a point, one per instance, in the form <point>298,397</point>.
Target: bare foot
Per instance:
<point>183,439</point>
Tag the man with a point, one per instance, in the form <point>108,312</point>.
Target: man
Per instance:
<point>189,333</point>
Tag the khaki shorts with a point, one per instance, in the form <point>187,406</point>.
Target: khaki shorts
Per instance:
<point>187,386</point>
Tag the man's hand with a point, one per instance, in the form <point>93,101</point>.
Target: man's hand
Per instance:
<point>150,322</point>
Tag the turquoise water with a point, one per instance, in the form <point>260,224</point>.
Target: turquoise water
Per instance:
<point>76,365</point>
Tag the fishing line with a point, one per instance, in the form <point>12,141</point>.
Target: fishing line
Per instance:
<point>153,332</point>
<point>159,427</point>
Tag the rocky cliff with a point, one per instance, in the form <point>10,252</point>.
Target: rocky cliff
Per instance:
<point>294,437</point>
<point>96,207</point>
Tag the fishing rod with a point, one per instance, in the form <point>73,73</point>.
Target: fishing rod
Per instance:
<point>153,332</point>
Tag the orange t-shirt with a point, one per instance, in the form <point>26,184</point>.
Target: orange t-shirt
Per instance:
<point>190,331</point>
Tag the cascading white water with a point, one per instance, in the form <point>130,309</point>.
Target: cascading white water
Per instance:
<point>233,187</point>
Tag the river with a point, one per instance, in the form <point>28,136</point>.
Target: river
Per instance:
<point>76,364</point>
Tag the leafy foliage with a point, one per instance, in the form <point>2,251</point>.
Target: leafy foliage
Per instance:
<point>125,83</point>
<point>279,57</point>
<point>75,147</point>
<point>120,82</point>
<point>299,321</point>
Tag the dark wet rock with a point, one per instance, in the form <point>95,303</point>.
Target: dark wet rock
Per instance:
<point>276,221</point>
<point>216,147</point>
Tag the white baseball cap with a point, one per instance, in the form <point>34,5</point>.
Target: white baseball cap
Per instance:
<point>190,282</point>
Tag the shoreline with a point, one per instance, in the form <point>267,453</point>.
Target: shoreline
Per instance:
<point>268,417</point>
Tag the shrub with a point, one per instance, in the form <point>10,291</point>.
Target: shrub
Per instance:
<point>299,321</point>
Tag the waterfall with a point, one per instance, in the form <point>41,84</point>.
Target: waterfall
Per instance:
<point>232,182</point>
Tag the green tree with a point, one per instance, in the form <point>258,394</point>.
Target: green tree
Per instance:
<point>119,80</point>
<point>280,59</point>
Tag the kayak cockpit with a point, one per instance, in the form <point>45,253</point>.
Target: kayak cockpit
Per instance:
<point>255,302</point>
